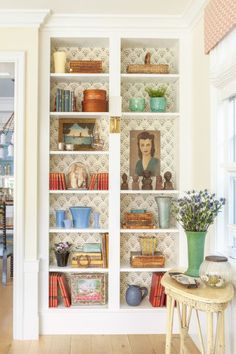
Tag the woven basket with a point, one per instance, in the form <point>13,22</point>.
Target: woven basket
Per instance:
<point>147,67</point>
<point>148,245</point>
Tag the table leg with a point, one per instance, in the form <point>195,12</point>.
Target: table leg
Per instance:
<point>210,342</point>
<point>183,328</point>
<point>170,312</point>
<point>221,333</point>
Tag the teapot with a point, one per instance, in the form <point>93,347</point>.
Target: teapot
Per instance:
<point>134,294</point>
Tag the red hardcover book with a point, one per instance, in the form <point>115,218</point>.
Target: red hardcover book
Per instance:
<point>50,290</point>
<point>55,290</point>
<point>99,183</point>
<point>64,290</point>
<point>53,181</point>
<point>157,298</point>
<point>93,181</point>
<point>154,286</point>
<point>106,181</point>
<point>63,181</point>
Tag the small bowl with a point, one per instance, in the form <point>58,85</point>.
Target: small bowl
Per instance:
<point>137,104</point>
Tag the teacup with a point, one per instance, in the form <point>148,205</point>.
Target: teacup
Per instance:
<point>137,104</point>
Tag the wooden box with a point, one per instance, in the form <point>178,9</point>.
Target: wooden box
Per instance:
<point>138,221</point>
<point>94,94</point>
<point>137,260</point>
<point>85,66</point>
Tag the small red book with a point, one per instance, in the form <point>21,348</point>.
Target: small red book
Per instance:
<point>64,290</point>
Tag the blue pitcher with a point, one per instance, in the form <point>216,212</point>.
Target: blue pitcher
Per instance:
<point>134,294</point>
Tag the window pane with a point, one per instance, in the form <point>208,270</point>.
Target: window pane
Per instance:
<point>232,130</point>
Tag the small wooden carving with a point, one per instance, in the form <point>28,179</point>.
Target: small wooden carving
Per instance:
<point>135,183</point>
<point>159,184</point>
<point>147,181</point>
<point>124,184</point>
<point>168,185</point>
<point>147,59</point>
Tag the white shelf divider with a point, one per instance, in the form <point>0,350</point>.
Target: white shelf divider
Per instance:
<point>69,269</point>
<point>144,306</point>
<point>154,191</point>
<point>128,269</point>
<point>79,77</point>
<point>75,191</point>
<point>95,152</point>
<point>153,115</point>
<point>78,114</point>
<point>150,77</point>
<point>149,231</point>
<point>74,230</point>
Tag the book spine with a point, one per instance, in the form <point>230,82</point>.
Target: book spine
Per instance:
<point>64,290</point>
<point>67,100</point>
<point>104,253</point>
<point>58,93</point>
<point>63,101</point>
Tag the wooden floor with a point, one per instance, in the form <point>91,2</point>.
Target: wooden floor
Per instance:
<point>79,344</point>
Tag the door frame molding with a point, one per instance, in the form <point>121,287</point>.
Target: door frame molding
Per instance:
<point>18,59</point>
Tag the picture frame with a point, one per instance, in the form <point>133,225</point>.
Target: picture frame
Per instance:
<point>77,132</point>
<point>144,152</point>
<point>88,289</point>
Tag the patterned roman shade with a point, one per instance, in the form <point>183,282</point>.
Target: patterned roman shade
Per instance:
<point>220,18</point>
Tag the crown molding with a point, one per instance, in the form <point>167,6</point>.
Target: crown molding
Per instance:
<point>105,21</point>
<point>23,18</point>
<point>193,12</point>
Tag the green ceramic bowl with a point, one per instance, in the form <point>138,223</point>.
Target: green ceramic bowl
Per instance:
<point>137,104</point>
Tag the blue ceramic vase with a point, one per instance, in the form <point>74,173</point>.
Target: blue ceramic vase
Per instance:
<point>60,216</point>
<point>80,216</point>
<point>163,204</point>
<point>137,104</point>
<point>96,217</point>
<point>134,294</point>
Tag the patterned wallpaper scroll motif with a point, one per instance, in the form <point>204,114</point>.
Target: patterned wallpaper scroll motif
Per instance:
<point>98,202</point>
<point>78,53</point>
<point>158,56</point>
<point>168,128</point>
<point>101,126</point>
<point>167,244</point>
<point>137,89</point>
<point>78,87</point>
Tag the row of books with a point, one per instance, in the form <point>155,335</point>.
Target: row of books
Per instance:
<point>99,181</point>
<point>65,101</point>
<point>157,296</point>
<point>57,181</point>
<point>58,288</point>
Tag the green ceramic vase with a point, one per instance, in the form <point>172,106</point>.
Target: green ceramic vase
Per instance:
<point>196,243</point>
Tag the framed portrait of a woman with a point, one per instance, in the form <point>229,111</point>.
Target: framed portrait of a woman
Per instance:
<point>144,152</point>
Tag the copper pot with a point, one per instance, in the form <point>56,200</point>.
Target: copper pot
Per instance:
<point>94,106</point>
<point>95,94</point>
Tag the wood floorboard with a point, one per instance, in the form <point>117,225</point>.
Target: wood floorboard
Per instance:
<point>101,344</point>
<point>120,344</point>
<point>81,344</point>
<point>140,344</point>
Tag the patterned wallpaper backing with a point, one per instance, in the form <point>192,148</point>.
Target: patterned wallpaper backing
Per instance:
<point>168,128</point>
<point>158,56</point>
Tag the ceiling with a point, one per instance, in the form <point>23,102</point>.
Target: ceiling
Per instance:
<point>140,7</point>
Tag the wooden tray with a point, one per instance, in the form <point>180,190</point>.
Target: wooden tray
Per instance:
<point>85,66</point>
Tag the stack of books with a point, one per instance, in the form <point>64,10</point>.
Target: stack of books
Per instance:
<point>92,255</point>
<point>57,181</point>
<point>157,295</point>
<point>65,101</point>
<point>99,181</point>
<point>58,281</point>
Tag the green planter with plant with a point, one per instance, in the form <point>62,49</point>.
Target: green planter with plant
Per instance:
<point>157,98</point>
<point>196,212</point>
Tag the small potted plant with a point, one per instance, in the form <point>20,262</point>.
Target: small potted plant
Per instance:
<point>196,212</point>
<point>157,98</point>
<point>62,251</point>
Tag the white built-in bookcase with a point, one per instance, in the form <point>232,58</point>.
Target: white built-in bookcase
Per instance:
<point>117,49</point>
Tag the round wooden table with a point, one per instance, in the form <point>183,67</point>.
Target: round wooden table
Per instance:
<point>212,301</point>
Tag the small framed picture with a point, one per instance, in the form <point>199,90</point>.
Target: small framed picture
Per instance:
<point>77,132</point>
<point>144,152</point>
<point>88,289</point>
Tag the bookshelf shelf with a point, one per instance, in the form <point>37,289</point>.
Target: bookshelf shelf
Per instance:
<point>78,114</point>
<point>126,268</point>
<point>77,270</point>
<point>149,231</point>
<point>79,153</point>
<point>144,306</point>
<point>75,309</point>
<point>151,114</point>
<point>75,191</point>
<point>79,77</point>
<point>74,230</point>
<point>158,192</point>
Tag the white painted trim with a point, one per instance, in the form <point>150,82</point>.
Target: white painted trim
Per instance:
<point>23,18</point>
<point>193,12</point>
<point>6,104</point>
<point>18,59</point>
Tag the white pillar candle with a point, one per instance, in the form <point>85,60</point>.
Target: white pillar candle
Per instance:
<point>59,62</point>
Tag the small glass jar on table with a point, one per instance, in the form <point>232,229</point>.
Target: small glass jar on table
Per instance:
<point>215,271</point>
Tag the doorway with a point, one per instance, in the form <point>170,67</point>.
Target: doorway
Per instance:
<point>12,88</point>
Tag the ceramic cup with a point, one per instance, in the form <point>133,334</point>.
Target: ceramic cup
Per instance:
<point>137,104</point>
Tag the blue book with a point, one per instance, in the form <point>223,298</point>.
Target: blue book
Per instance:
<point>92,247</point>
